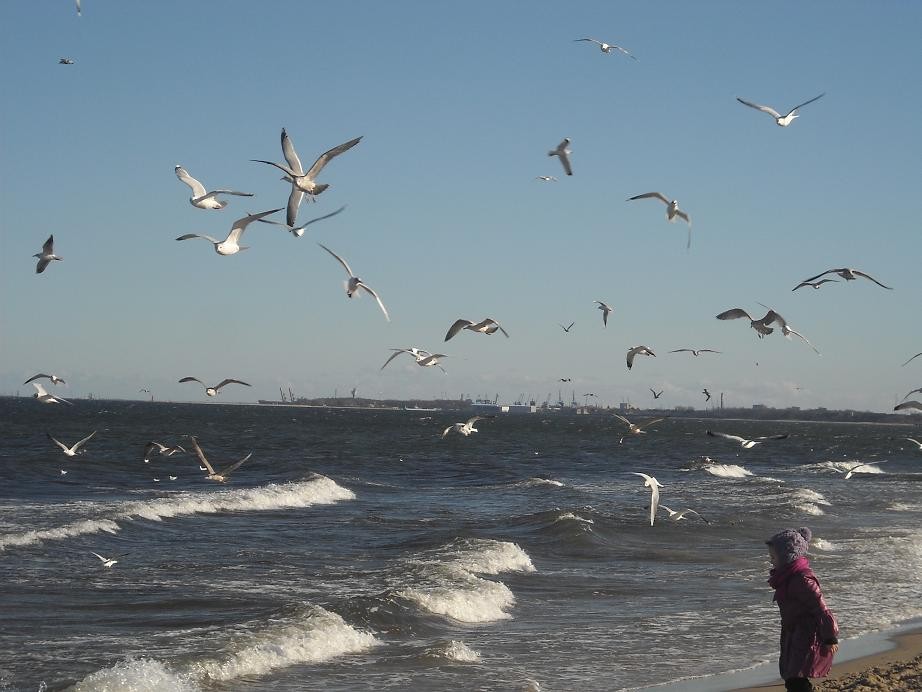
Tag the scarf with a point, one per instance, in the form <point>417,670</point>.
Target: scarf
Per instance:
<point>778,578</point>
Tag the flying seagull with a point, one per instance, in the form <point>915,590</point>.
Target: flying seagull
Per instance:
<point>465,428</point>
<point>744,443</point>
<point>606,311</point>
<point>857,468</point>
<point>606,47</point>
<point>213,391</point>
<point>75,449</point>
<point>304,183</point>
<point>202,199</point>
<point>760,325</point>
<point>54,378</point>
<point>46,255</point>
<point>634,429</point>
<point>546,178</point>
<point>161,449</point>
<point>637,351</point>
<point>707,394</point>
<point>655,395</point>
<point>219,476</point>
<point>355,283</point>
<point>563,154</point>
<point>485,326</point>
<point>908,405</point>
<point>782,120</point>
<point>786,330</point>
<point>694,351</point>
<point>65,61</point>
<point>566,329</point>
<point>916,443</point>
<point>679,515</point>
<point>910,360</point>
<point>672,209</point>
<point>108,561</point>
<point>424,359</point>
<point>654,485</point>
<point>846,273</point>
<point>231,244</point>
<point>298,231</point>
<point>45,397</point>
<point>815,284</point>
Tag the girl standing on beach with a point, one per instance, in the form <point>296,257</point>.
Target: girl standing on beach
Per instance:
<point>809,632</point>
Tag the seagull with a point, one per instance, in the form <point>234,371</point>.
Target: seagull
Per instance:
<point>638,351</point>
<point>213,391</point>
<point>107,561</point>
<point>672,209</point>
<point>782,120</point>
<point>486,326</point>
<point>706,393</point>
<point>546,178</point>
<point>304,183</point>
<point>202,199</point>
<point>916,443</point>
<point>231,244</point>
<point>355,283</point>
<point>678,516</point>
<point>910,360</point>
<point>54,378</point>
<point>566,329</point>
<point>566,379</point>
<point>907,405</point>
<point>79,12</point>
<point>424,359</point>
<point>63,472</point>
<point>858,467</point>
<point>71,451</point>
<point>47,398</point>
<point>846,273</point>
<point>65,61</point>
<point>655,395</point>
<point>654,485</point>
<point>564,154</point>
<point>633,429</point>
<point>46,255</point>
<point>298,231</point>
<point>173,478</point>
<point>606,47</point>
<point>606,311</point>
<point>465,428</point>
<point>786,330</point>
<point>219,476</point>
<point>161,449</point>
<point>695,351</point>
<point>744,443</point>
<point>760,325</point>
<point>815,284</point>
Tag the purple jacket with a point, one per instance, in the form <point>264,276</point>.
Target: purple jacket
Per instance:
<point>806,625</point>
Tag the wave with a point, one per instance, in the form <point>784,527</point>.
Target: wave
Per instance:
<point>727,470</point>
<point>824,545</point>
<point>319,490</point>
<point>479,600</point>
<point>453,651</point>
<point>536,482</point>
<point>808,501</point>
<point>569,516</point>
<point>136,675</point>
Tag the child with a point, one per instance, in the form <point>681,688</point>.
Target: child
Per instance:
<point>809,632</point>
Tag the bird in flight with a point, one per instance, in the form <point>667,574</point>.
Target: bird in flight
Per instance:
<point>47,398</point>
<point>672,209</point>
<point>304,183</point>
<point>424,358</point>
<point>354,283</point>
<point>563,154</point>
<point>546,178</point>
<point>231,244</point>
<point>485,326</point>
<point>916,443</point>
<point>815,284</point>
<point>911,359</point>
<point>706,393</point>
<point>46,255</point>
<point>694,351</point>
<point>655,395</point>
<point>202,199</point>
<point>635,429</point>
<point>781,120</point>
<point>65,61</point>
<point>161,449</point>
<point>606,311</point>
<point>679,515</point>
<point>566,329</point>
<point>654,485</point>
<point>744,443</point>
<point>298,231</point>
<point>108,561</point>
<point>565,379</point>
<point>858,468</point>
<point>606,48</point>
<point>75,449</point>
<point>846,273</point>
<point>218,476</point>
<point>638,351</point>
<point>213,391</point>
<point>465,428</point>
<point>54,378</point>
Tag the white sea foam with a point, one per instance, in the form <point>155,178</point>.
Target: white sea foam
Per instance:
<point>569,516</point>
<point>136,675</point>
<point>810,496</point>
<point>904,507</point>
<point>824,545</point>
<point>454,651</point>
<point>318,636</point>
<point>533,482</point>
<point>727,470</point>
<point>477,600</point>
<point>319,490</point>
<point>486,556</point>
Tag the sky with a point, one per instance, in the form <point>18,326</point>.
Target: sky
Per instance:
<point>458,105</point>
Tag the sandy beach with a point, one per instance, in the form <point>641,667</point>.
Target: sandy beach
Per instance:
<point>894,670</point>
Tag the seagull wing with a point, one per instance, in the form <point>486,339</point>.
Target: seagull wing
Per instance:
<point>338,259</point>
<point>650,195</point>
<point>294,202</point>
<point>285,169</point>
<point>99,556</point>
<point>194,235</point>
<point>805,340</point>
<point>680,350</point>
<point>447,430</point>
<point>39,389</point>
<point>815,98</point>
<point>328,156</point>
<point>814,278</point>
<point>765,109</point>
<point>565,160</point>
<point>41,374</point>
<point>233,467</point>
<point>868,276</point>
<point>319,218</point>
<point>83,441</point>
<point>912,392</point>
<point>240,225</point>
<point>397,352</point>
<point>915,356</point>
<point>201,455</point>
<point>194,379</point>
<point>774,437</point>
<point>908,404</point>
<point>229,381</point>
<point>916,442</point>
<point>291,156</point>
<point>735,438</point>
<point>458,325</point>
<point>48,246</point>
<point>377,298</point>
<point>198,190</point>
<point>650,422</point>
<point>40,266</point>
<point>60,444</point>
<point>623,420</point>
<point>734,313</point>
<point>588,39</point>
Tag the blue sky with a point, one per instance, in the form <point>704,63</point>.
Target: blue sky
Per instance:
<point>458,105</point>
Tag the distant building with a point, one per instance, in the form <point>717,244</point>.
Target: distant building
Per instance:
<point>759,407</point>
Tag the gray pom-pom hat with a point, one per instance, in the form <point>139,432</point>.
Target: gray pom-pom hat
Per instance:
<point>791,544</point>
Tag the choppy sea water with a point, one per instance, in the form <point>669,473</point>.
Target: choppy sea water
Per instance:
<point>357,550</point>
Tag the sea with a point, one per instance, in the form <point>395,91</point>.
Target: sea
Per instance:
<point>359,550</point>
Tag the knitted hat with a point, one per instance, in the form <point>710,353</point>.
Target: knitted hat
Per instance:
<point>791,544</point>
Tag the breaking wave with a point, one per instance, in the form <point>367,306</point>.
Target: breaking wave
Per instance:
<point>727,471</point>
<point>136,675</point>
<point>454,651</point>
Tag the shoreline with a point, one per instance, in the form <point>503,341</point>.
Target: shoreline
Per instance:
<point>863,663</point>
